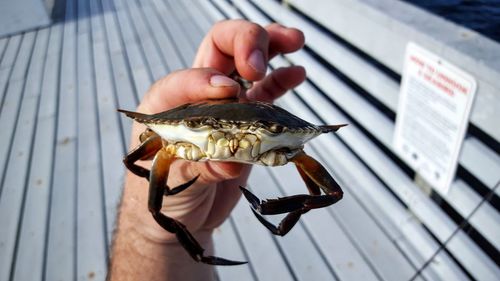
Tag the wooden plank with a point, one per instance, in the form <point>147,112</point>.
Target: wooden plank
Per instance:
<point>155,63</point>
<point>112,145</point>
<point>304,260</point>
<point>264,254</point>
<point>352,19</point>
<point>34,227</point>
<point>13,88</point>
<point>419,203</point>
<point>169,23</point>
<point>190,30</point>
<point>140,73</point>
<point>122,74</point>
<point>199,16</point>
<point>6,66</point>
<point>482,162</point>
<point>3,46</point>
<point>366,189</point>
<point>24,101</point>
<point>229,246</point>
<point>361,110</point>
<point>22,15</point>
<point>11,100</point>
<point>486,220</point>
<point>166,43</point>
<point>390,265</point>
<point>366,115</point>
<point>228,9</point>
<point>210,8</point>
<point>327,228</point>
<point>385,209</point>
<point>378,84</point>
<point>61,242</point>
<point>91,232</point>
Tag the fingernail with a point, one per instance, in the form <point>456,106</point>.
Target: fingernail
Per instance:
<point>256,61</point>
<point>222,81</point>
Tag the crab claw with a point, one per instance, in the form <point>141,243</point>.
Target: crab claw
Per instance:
<point>317,179</point>
<point>220,261</point>
<point>252,199</point>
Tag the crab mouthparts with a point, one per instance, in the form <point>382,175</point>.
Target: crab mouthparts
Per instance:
<point>254,147</point>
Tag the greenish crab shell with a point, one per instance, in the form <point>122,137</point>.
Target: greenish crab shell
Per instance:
<point>228,130</point>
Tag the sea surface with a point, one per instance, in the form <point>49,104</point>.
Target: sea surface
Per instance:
<point>482,16</point>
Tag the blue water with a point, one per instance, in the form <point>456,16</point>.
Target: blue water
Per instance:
<point>482,16</point>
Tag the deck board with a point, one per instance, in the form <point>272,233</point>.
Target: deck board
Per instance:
<point>14,174</point>
<point>61,174</point>
<point>60,263</point>
<point>33,231</point>
<point>18,169</point>
<point>91,246</point>
<point>134,53</point>
<point>12,98</point>
<point>112,145</point>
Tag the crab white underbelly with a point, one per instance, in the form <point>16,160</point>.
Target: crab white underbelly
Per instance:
<point>232,144</point>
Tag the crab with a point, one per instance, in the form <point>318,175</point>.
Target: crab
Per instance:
<point>237,131</point>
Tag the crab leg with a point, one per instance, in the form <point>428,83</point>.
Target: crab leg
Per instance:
<point>157,184</point>
<point>147,149</point>
<point>316,178</point>
<point>151,144</point>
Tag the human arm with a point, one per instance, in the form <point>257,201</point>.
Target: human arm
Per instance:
<point>142,250</point>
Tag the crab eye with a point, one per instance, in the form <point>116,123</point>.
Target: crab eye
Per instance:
<point>276,128</point>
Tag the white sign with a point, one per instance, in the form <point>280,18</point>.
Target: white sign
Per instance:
<point>433,112</point>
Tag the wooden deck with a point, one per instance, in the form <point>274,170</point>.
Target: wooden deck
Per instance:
<point>62,142</point>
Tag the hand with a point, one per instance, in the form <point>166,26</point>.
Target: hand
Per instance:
<point>230,45</point>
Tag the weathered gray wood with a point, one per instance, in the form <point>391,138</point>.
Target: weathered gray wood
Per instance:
<point>122,74</point>
<point>229,246</point>
<point>355,107</point>
<point>61,260</point>
<point>388,266</point>
<point>140,73</point>
<point>332,230</point>
<point>385,210</point>
<point>6,67</point>
<point>111,144</point>
<point>364,22</point>
<point>168,19</point>
<point>25,107</point>
<point>3,46</point>
<point>10,197</point>
<point>199,16</point>
<point>21,15</point>
<point>11,100</point>
<point>380,85</point>
<point>188,28</point>
<point>171,55</point>
<point>148,42</point>
<point>91,231</point>
<point>34,228</point>
<point>114,68</point>
<point>211,10</point>
<point>228,9</point>
<point>418,202</point>
<point>261,247</point>
<point>303,260</point>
